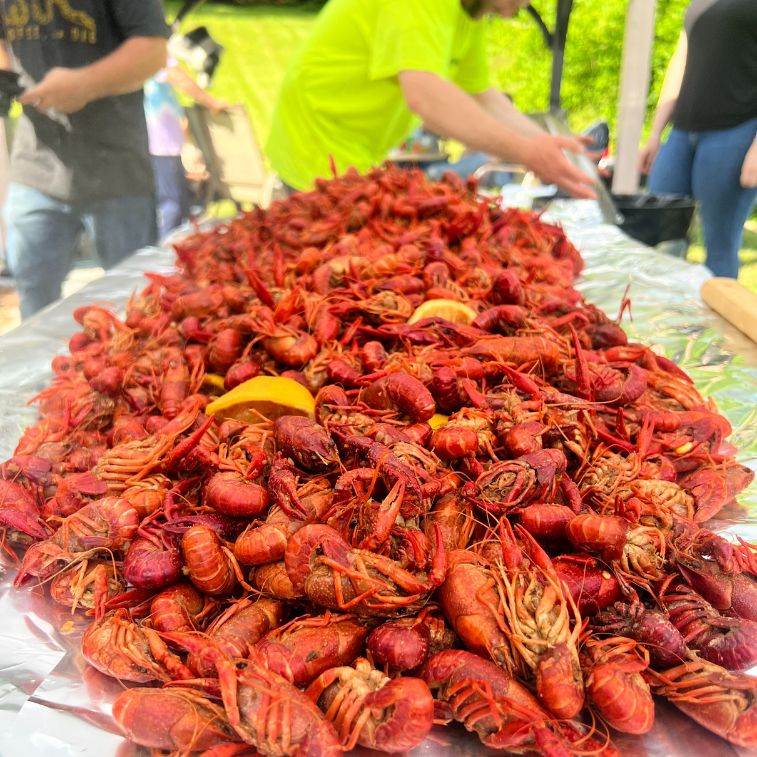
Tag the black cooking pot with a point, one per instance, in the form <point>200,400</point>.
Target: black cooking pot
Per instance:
<point>654,218</point>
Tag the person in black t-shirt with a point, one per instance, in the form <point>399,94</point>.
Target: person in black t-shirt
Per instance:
<point>710,94</point>
<point>80,156</point>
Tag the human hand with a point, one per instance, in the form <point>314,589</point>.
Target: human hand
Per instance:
<point>63,89</point>
<point>544,156</point>
<point>749,167</point>
<point>648,154</point>
<point>218,106</point>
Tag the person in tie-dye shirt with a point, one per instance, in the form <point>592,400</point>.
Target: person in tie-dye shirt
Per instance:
<point>165,129</point>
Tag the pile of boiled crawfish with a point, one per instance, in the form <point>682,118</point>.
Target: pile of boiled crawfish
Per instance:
<point>536,567</point>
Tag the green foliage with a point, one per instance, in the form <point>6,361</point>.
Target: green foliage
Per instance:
<point>522,65</point>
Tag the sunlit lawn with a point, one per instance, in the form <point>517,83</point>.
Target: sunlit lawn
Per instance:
<point>748,255</point>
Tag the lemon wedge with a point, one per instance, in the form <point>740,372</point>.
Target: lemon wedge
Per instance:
<point>270,396</point>
<point>214,380</point>
<point>438,420</point>
<point>450,310</point>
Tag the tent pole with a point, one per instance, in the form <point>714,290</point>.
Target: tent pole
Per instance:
<point>634,89</point>
<point>559,37</point>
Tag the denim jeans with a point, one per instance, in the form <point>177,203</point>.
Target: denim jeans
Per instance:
<point>707,165</point>
<point>43,233</point>
<point>172,192</point>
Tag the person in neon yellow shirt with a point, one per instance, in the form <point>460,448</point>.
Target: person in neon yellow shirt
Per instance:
<point>373,70</point>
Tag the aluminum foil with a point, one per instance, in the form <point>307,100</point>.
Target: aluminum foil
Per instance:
<point>53,704</point>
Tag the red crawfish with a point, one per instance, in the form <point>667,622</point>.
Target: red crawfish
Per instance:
<point>370,709</point>
<point>727,592</point>
<point>473,607</point>
<point>727,641</point>
<point>265,709</point>
<point>211,565</point>
<point>539,613</point>
<point>152,561</point>
<point>404,645</point>
<point>588,581</point>
<point>176,608</point>
<point>19,510</point>
<point>236,631</point>
<point>650,628</point>
<point>332,574</point>
<point>118,647</point>
<point>309,645</point>
<point>637,553</point>
<point>509,483</point>
<point>401,392</point>
<point>106,524</point>
<point>266,542</point>
<point>615,687</point>
<point>176,718</point>
<point>502,712</point>
<point>307,443</point>
<point>230,493</point>
<point>468,432</point>
<point>89,584</point>
<point>724,703</point>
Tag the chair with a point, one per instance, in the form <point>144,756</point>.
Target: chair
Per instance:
<point>235,165</point>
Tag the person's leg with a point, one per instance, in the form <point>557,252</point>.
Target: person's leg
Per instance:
<point>42,234</point>
<point>120,226</point>
<point>671,170</point>
<point>172,192</point>
<point>724,203</point>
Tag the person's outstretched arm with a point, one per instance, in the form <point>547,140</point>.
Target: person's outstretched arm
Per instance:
<point>509,135</point>
<point>501,107</point>
<point>6,63</point>
<point>180,80</point>
<point>68,90</point>
<point>666,104</point>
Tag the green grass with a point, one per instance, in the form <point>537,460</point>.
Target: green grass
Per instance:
<point>259,41</point>
<point>747,256</point>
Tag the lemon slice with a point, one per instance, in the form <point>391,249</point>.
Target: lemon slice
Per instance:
<point>450,310</point>
<point>214,380</point>
<point>437,420</point>
<point>271,396</point>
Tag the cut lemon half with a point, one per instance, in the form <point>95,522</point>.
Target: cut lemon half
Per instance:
<point>214,380</point>
<point>270,396</point>
<point>437,420</point>
<point>450,310</point>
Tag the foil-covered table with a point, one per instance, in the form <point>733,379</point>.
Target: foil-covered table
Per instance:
<point>53,704</point>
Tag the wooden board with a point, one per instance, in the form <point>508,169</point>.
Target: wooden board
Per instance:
<point>734,302</point>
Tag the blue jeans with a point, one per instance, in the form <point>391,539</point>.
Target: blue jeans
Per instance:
<point>707,166</point>
<point>43,233</point>
<point>172,192</point>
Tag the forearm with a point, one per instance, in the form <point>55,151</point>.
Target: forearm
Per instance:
<point>126,68</point>
<point>185,84</point>
<point>501,108</point>
<point>448,111</point>
<point>671,87</point>
<point>662,117</point>
<point>6,61</point>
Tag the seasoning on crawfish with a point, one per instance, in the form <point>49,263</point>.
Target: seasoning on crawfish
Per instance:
<point>550,522</point>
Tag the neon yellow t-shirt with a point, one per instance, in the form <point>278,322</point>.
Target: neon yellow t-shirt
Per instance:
<point>341,95</point>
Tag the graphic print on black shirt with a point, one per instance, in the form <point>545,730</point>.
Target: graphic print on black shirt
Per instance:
<point>41,20</point>
<point>100,151</point>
